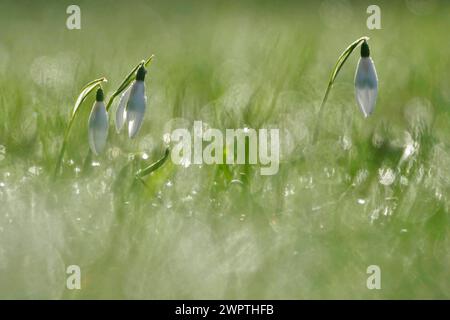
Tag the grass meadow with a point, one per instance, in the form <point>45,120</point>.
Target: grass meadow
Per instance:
<point>372,191</point>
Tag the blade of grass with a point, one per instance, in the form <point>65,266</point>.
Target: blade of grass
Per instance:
<point>154,166</point>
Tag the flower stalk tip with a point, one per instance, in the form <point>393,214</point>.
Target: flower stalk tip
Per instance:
<point>99,95</point>
<point>140,75</point>
<point>365,51</point>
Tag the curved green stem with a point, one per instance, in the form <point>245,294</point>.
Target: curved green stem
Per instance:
<point>337,67</point>
<point>85,91</point>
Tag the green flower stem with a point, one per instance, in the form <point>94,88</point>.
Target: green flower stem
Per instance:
<point>85,91</point>
<point>337,67</point>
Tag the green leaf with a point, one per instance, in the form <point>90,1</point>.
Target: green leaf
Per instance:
<point>154,166</point>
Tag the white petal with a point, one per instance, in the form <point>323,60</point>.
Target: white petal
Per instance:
<point>366,85</point>
<point>98,127</point>
<point>136,108</point>
<point>121,112</point>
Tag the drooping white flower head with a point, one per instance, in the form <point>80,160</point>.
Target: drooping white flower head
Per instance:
<point>136,104</point>
<point>121,113</point>
<point>98,124</point>
<point>366,82</point>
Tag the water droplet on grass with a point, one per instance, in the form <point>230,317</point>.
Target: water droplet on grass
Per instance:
<point>386,176</point>
<point>113,153</point>
<point>289,190</point>
<point>2,152</point>
<point>346,142</point>
<point>34,170</point>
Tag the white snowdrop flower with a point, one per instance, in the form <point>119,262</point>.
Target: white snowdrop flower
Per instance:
<point>366,82</point>
<point>121,113</point>
<point>98,124</point>
<point>136,105</point>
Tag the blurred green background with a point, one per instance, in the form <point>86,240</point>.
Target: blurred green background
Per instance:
<point>370,192</point>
